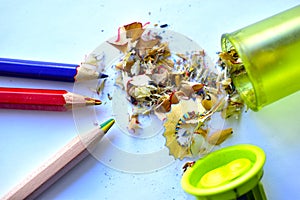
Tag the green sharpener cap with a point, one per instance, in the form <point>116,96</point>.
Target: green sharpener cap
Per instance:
<point>226,174</point>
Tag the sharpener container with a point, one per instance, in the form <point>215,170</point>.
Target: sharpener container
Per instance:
<point>230,173</point>
<point>270,52</point>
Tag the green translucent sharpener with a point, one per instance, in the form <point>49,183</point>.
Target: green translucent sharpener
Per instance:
<point>230,173</point>
<point>270,52</point>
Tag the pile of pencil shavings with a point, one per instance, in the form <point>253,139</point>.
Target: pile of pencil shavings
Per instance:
<point>180,89</point>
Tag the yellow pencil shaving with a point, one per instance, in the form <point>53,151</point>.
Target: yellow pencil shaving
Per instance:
<point>175,149</point>
<point>207,104</point>
<point>201,131</point>
<point>219,137</point>
<point>121,47</point>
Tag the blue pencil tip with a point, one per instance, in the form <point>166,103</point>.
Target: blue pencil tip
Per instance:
<point>103,75</point>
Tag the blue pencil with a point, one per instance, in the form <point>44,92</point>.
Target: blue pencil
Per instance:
<point>47,70</point>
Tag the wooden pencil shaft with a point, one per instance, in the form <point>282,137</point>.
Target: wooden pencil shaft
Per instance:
<point>43,187</point>
<point>58,165</point>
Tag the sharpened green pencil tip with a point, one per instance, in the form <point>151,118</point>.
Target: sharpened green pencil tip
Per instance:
<point>105,126</point>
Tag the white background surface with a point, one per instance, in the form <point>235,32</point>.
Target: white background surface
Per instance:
<point>65,31</point>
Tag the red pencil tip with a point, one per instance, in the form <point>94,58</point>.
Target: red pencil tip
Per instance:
<point>97,102</point>
<point>91,101</point>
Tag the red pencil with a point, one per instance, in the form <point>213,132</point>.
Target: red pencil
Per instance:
<point>43,99</point>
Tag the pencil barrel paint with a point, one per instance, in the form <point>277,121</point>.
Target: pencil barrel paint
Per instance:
<point>269,51</point>
<point>38,69</point>
<point>47,70</point>
<point>32,107</point>
<point>43,99</point>
<point>32,96</point>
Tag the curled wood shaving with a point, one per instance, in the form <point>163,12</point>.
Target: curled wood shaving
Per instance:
<point>220,136</point>
<point>160,82</point>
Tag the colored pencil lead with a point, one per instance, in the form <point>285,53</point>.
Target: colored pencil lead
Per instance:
<point>101,75</point>
<point>105,126</point>
<point>98,102</point>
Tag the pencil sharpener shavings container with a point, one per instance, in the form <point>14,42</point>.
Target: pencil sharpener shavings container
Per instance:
<point>270,52</point>
<point>230,173</point>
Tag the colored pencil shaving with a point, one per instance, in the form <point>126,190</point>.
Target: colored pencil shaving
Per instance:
<point>43,99</point>
<point>219,136</point>
<point>49,70</point>
<point>231,66</point>
<point>187,129</point>
<point>152,76</point>
<point>160,82</point>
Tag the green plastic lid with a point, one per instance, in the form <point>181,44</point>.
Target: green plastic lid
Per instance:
<point>225,174</point>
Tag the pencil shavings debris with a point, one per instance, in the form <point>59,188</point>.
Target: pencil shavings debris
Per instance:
<point>100,86</point>
<point>180,126</point>
<point>163,25</point>
<point>187,130</point>
<point>188,165</point>
<point>109,96</point>
<point>231,66</point>
<point>121,47</point>
<point>134,123</point>
<point>94,60</point>
<point>138,30</point>
<point>180,89</point>
<point>153,78</point>
<point>220,136</point>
